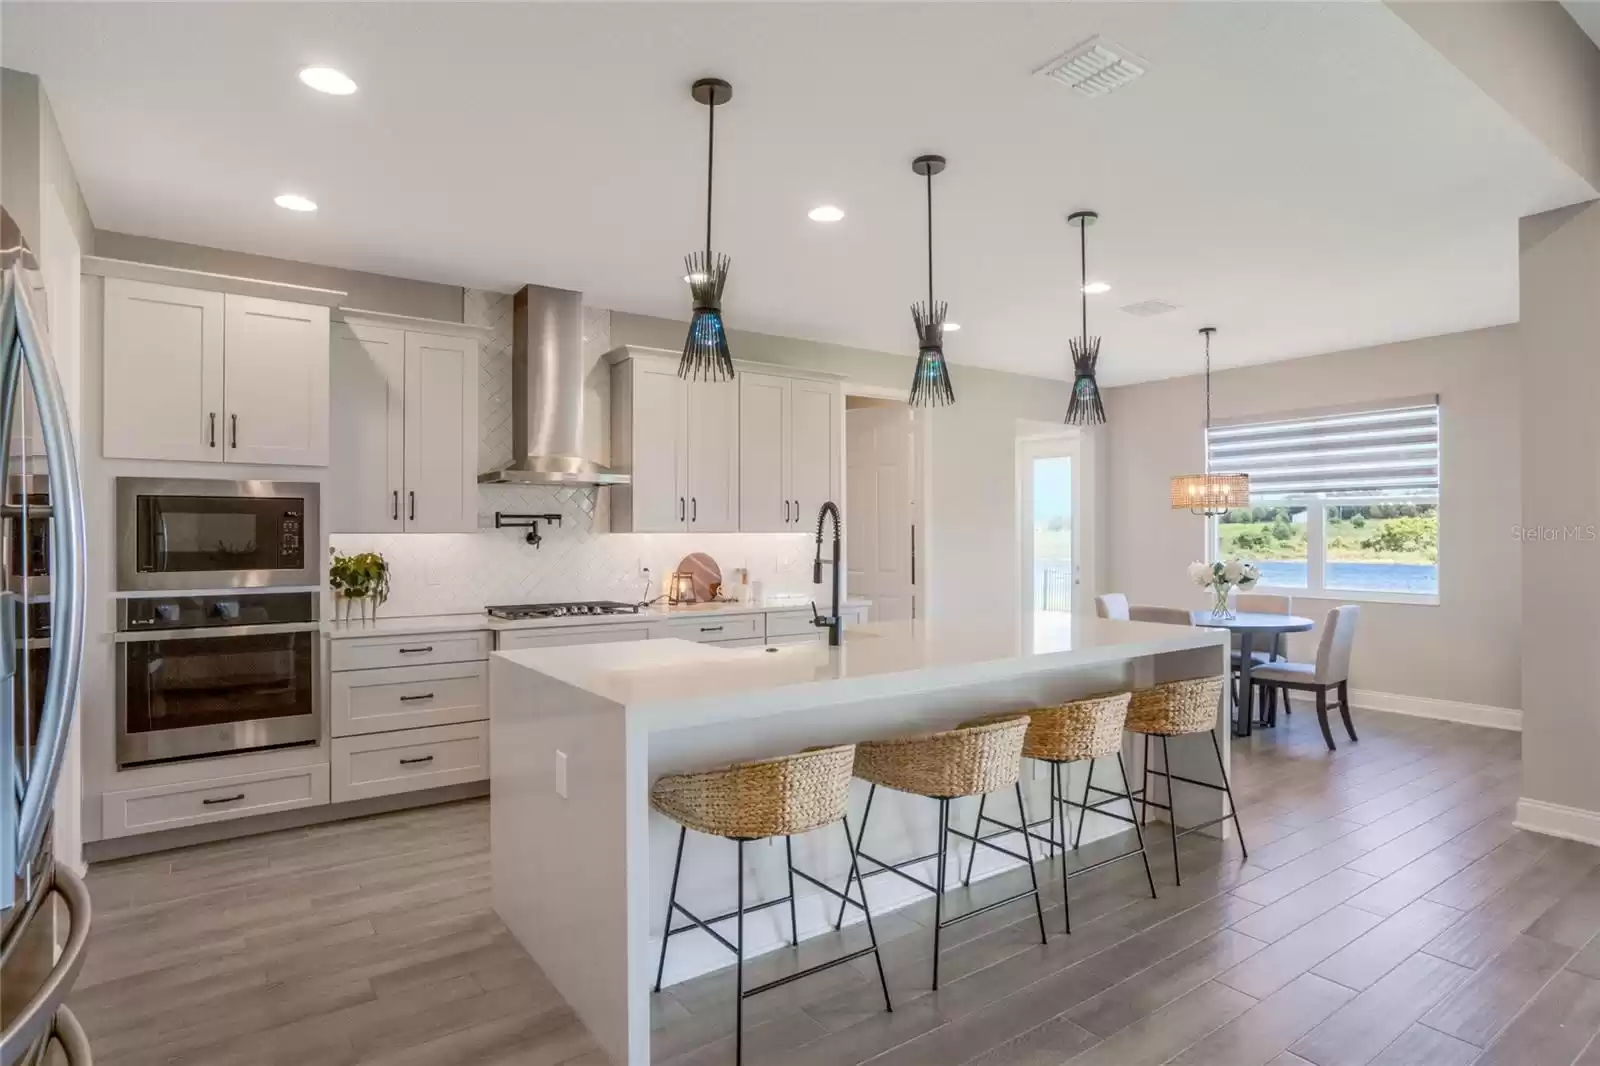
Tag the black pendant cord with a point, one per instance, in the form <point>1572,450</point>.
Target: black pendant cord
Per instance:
<point>930,239</point>
<point>1207,465</point>
<point>1083,278</point>
<point>711,168</point>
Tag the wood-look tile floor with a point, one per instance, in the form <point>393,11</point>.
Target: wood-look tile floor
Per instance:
<point>1389,914</point>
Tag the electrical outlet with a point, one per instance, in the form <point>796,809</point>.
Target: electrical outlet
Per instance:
<point>561,773</point>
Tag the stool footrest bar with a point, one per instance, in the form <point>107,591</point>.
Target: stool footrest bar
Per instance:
<point>807,972</point>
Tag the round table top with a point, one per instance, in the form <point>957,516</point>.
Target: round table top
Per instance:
<point>1255,622</point>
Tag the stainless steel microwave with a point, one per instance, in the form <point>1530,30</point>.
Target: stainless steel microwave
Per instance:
<point>191,534</point>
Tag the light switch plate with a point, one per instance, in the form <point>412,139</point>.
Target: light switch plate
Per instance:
<point>561,773</point>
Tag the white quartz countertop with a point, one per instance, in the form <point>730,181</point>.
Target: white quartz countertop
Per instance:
<point>673,683</point>
<point>455,623</point>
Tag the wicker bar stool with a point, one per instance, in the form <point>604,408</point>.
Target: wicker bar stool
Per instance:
<point>1081,729</point>
<point>967,761</point>
<point>1174,709</point>
<point>786,796</point>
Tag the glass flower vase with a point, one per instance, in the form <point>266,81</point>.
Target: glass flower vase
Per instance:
<point>1221,609</point>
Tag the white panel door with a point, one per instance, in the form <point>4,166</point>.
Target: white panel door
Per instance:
<point>765,505</point>
<point>878,513</point>
<point>712,460</point>
<point>441,434</point>
<point>660,408</point>
<point>276,384</point>
<point>367,460</point>
<point>814,448</point>
<point>163,354</point>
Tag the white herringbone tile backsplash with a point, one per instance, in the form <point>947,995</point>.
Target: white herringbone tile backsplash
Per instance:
<point>447,573</point>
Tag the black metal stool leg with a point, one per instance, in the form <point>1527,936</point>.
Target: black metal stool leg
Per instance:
<point>861,835</point>
<point>1144,782</point>
<point>672,900</point>
<point>794,924</point>
<point>938,897</point>
<point>1027,847</point>
<point>872,933</point>
<point>1228,791</point>
<point>738,969</point>
<point>1138,830</point>
<point>1172,808</point>
<point>977,831</point>
<point>1058,802</point>
<point>1083,812</point>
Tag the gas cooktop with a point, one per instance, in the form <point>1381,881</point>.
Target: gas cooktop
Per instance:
<point>521,611</point>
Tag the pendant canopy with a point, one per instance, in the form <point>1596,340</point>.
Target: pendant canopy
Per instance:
<point>705,349</point>
<point>930,387</point>
<point>1212,495</point>
<point>1085,408</point>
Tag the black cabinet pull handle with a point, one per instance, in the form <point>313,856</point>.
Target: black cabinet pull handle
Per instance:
<point>797,510</point>
<point>415,651</point>
<point>694,509</point>
<point>711,629</point>
<point>786,511</point>
<point>397,505</point>
<point>211,435</point>
<point>223,799</point>
<point>680,508</point>
<point>411,762</point>
<point>234,442</point>
<point>411,496</point>
<point>409,699</point>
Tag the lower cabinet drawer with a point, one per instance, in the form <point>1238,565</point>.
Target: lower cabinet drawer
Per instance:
<point>149,810</point>
<point>790,624</point>
<point>409,697</point>
<point>726,627</point>
<point>382,764</point>
<point>816,636</point>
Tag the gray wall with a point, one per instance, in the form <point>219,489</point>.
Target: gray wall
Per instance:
<point>1560,368</point>
<point>972,555</point>
<point>369,292</point>
<point>1468,647</point>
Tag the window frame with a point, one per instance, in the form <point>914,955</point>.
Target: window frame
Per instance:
<point>1316,548</point>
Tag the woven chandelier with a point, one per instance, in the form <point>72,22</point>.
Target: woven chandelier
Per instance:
<point>1209,494</point>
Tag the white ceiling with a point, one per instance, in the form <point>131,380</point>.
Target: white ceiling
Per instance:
<point>1308,177</point>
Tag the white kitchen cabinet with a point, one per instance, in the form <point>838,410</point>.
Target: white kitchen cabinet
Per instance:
<point>679,442</point>
<point>203,368</point>
<point>789,430</point>
<point>405,442</point>
<point>163,372</point>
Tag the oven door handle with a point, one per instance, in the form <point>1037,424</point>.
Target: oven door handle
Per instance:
<point>203,632</point>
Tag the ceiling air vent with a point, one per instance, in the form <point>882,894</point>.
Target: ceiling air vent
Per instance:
<point>1148,308</point>
<point>1094,68</point>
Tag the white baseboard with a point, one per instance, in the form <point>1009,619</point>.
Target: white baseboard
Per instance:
<point>1553,819</point>
<point>1444,710</point>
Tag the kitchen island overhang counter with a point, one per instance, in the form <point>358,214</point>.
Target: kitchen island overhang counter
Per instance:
<point>578,734</point>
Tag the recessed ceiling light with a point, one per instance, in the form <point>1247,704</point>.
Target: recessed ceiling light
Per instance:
<point>825,213</point>
<point>327,80</point>
<point>951,327</point>
<point>292,202</point>
<point>1095,288</point>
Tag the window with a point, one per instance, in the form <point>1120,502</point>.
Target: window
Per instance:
<point>1342,504</point>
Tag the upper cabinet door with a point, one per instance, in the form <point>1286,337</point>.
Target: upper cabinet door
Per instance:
<point>441,434</point>
<point>367,463</point>
<point>163,354</point>
<point>276,382</point>
<point>713,456</point>
<point>814,447</point>
<point>765,504</point>
<point>659,486</point>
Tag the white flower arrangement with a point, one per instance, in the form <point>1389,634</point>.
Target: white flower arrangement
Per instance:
<point>1225,575</point>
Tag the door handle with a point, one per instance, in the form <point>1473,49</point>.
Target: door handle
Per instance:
<point>234,443</point>
<point>797,510</point>
<point>786,510</point>
<point>211,435</point>
<point>397,505</point>
<point>224,799</point>
<point>694,509</point>
<point>411,496</point>
<point>412,762</point>
<point>680,508</point>
<point>913,554</point>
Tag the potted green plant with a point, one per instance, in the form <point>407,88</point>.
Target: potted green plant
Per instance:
<point>360,578</point>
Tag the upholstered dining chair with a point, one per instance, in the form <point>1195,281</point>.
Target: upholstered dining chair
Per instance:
<point>1331,671</point>
<point>1172,616</point>
<point>1112,605</point>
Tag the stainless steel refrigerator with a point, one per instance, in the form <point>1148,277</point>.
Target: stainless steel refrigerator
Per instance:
<point>44,906</point>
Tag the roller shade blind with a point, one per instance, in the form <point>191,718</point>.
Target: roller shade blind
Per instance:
<point>1384,452</point>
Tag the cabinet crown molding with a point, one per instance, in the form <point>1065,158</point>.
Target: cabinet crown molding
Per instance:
<point>99,266</point>
<point>784,370</point>
<point>357,316</point>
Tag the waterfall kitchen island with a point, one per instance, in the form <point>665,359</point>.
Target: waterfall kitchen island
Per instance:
<point>581,864</point>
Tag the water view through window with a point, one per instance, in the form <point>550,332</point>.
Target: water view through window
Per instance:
<point>1370,547</point>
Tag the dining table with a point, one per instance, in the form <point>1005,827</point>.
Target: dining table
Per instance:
<point>1252,627</point>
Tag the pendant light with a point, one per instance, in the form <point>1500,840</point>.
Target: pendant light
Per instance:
<point>705,350</point>
<point>1085,408</point>
<point>930,387</point>
<point>1209,494</point>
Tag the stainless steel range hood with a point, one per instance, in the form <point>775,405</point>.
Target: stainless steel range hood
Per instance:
<point>547,368</point>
